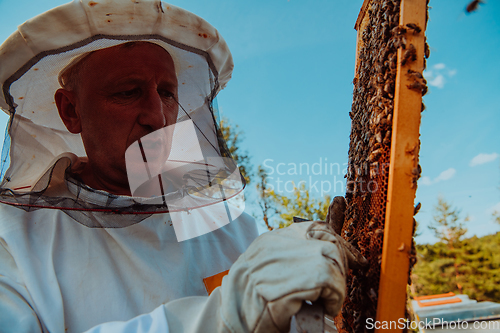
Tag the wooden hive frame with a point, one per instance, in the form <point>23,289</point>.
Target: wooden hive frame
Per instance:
<point>393,264</point>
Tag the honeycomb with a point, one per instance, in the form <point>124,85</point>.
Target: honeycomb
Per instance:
<point>379,38</point>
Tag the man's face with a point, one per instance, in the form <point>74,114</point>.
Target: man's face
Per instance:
<point>124,93</point>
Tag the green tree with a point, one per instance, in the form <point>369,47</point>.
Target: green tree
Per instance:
<point>277,210</point>
<point>233,136</point>
<point>449,229</point>
<point>300,204</point>
<point>444,262</point>
<point>447,225</point>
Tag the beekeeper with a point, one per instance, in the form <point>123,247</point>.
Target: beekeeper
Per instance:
<point>121,207</point>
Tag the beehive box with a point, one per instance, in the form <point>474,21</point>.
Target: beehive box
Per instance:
<point>383,164</point>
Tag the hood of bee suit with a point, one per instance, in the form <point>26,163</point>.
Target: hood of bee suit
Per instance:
<point>33,57</point>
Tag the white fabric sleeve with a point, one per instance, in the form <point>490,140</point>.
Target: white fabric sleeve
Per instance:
<point>152,322</point>
<point>16,313</point>
<point>188,314</point>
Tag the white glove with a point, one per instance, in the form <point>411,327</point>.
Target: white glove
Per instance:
<point>266,286</point>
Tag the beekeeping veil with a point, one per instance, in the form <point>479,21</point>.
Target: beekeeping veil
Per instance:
<point>196,175</point>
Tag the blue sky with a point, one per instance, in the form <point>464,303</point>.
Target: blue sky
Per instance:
<point>291,93</point>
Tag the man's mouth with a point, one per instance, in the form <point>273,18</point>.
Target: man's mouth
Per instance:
<point>150,146</point>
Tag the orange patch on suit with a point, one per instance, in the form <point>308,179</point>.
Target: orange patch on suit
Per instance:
<point>214,281</point>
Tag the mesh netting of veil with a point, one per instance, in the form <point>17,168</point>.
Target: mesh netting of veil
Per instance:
<point>180,169</point>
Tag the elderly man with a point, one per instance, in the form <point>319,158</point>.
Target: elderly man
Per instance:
<point>113,98</point>
<point>81,248</point>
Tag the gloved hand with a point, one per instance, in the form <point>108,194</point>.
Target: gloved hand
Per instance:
<point>335,218</point>
<point>266,286</point>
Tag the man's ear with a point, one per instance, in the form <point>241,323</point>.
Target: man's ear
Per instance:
<point>66,105</point>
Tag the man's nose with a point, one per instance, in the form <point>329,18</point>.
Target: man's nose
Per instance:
<point>152,111</point>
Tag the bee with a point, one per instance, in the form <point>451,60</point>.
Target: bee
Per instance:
<point>373,295</point>
<point>416,75</point>
<point>418,86</point>
<point>398,30</point>
<point>354,282</point>
<point>371,225</point>
<point>416,209</point>
<point>357,321</point>
<point>413,183</point>
<point>409,54</point>
<point>413,260</point>
<point>375,154</point>
<point>473,6</point>
<point>416,171</point>
<point>400,42</point>
<point>388,87</point>
<point>413,250</point>
<point>415,176</point>
<point>416,29</point>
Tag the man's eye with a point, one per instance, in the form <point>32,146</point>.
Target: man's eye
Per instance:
<point>166,93</point>
<point>127,93</point>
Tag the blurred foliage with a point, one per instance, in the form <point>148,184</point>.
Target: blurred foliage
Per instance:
<point>299,203</point>
<point>278,210</point>
<point>478,265</point>
<point>448,227</point>
<point>233,136</point>
<point>496,217</point>
<point>466,266</point>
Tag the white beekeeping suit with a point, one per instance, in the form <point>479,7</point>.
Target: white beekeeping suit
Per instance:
<point>73,258</point>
